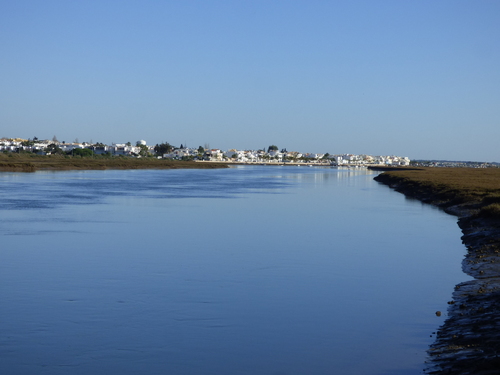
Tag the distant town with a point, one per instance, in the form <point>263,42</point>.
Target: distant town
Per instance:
<point>271,155</point>
<point>202,153</point>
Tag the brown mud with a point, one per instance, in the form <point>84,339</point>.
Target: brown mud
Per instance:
<point>469,340</point>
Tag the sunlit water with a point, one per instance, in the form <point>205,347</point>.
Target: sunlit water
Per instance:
<point>248,270</point>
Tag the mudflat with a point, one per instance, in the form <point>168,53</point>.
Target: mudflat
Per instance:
<point>31,163</point>
<point>469,340</point>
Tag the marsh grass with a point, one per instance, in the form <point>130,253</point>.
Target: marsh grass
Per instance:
<point>454,186</point>
<point>31,163</point>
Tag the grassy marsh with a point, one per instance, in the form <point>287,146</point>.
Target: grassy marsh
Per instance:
<point>479,189</point>
<point>30,163</point>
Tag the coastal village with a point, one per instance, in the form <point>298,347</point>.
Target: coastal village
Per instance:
<point>141,149</point>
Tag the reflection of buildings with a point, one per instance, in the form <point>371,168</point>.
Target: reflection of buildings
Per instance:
<point>322,174</point>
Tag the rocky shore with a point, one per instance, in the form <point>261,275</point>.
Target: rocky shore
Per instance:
<point>469,340</point>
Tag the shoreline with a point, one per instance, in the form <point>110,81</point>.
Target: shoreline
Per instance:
<point>468,342</point>
<point>58,163</point>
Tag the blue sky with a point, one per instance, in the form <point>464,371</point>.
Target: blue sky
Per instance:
<point>412,78</point>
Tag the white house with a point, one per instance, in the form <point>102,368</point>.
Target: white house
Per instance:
<point>214,154</point>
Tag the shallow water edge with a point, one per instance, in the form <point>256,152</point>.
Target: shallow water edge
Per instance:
<point>468,341</point>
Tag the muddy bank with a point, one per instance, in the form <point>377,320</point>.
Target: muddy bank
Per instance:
<point>469,340</point>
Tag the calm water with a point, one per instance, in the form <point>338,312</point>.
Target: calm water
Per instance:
<point>249,270</point>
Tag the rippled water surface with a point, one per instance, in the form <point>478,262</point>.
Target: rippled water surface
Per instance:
<point>248,270</point>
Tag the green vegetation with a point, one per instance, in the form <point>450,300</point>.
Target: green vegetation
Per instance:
<point>28,143</point>
<point>82,152</point>
<point>144,150</point>
<point>477,189</point>
<point>32,162</point>
<point>54,149</point>
<point>163,148</point>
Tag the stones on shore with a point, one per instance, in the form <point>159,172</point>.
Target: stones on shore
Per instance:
<point>468,341</point>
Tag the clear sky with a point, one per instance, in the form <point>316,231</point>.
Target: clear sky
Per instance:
<point>411,78</point>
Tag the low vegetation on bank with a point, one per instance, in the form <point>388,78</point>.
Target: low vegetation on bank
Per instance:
<point>475,189</point>
<point>31,162</point>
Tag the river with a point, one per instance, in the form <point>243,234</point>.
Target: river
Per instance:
<point>246,270</point>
